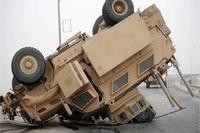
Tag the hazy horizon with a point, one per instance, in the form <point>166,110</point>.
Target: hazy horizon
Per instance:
<point>34,23</point>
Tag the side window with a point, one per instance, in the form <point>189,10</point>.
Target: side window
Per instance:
<point>120,82</point>
<point>142,103</point>
<point>146,64</point>
<point>82,100</point>
<point>134,109</point>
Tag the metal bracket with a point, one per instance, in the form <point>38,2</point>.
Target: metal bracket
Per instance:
<point>157,76</point>
<point>175,64</point>
<point>160,81</point>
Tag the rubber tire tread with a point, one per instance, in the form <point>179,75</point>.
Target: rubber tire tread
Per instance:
<point>111,17</point>
<point>14,83</point>
<point>95,28</point>
<point>19,75</point>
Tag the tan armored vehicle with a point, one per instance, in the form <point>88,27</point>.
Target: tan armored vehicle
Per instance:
<point>92,78</point>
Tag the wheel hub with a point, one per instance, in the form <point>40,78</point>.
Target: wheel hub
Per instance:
<point>120,7</point>
<point>28,64</point>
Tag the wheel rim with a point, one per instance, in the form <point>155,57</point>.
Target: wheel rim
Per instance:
<point>120,7</point>
<point>28,65</point>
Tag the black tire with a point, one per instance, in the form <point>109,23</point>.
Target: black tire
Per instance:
<point>14,83</point>
<point>106,18</point>
<point>1,99</point>
<point>96,25</point>
<point>146,116</point>
<point>110,13</point>
<point>35,68</point>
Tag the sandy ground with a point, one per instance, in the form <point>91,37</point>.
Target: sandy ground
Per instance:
<point>185,121</point>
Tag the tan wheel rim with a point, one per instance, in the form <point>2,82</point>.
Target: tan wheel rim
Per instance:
<point>120,7</point>
<point>28,65</point>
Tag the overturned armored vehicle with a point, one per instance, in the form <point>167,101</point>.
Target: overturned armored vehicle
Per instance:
<point>91,78</point>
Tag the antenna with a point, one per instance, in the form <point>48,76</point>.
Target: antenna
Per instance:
<point>59,25</point>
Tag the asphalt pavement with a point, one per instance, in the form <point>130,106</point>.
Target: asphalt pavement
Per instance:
<point>184,121</point>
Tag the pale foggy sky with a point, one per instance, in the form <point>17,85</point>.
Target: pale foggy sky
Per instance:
<point>34,23</point>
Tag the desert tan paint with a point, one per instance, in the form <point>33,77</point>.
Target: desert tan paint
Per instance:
<point>110,48</point>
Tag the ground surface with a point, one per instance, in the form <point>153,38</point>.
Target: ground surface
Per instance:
<point>185,121</point>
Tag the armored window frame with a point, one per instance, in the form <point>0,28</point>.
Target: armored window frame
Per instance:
<point>143,62</point>
<point>92,97</point>
<point>131,109</point>
<point>117,84</point>
<point>143,102</point>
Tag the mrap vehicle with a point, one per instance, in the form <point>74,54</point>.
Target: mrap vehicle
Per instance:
<point>94,78</point>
